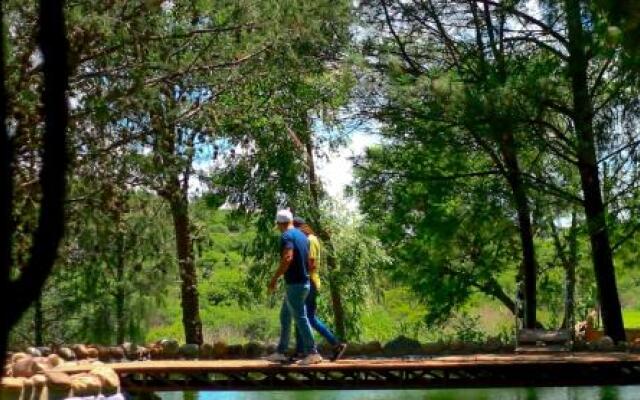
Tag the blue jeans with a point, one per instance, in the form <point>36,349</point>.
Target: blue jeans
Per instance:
<point>315,322</point>
<point>293,306</point>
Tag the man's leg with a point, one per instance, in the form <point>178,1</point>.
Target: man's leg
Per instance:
<point>315,322</point>
<point>285,326</point>
<point>296,296</point>
<point>299,348</point>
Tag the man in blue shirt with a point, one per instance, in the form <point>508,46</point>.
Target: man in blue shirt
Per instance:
<point>294,265</point>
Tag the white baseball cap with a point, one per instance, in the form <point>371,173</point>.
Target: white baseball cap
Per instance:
<point>284,216</point>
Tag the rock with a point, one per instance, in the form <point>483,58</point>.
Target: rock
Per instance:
<point>155,352</point>
<point>170,348</point>
<point>54,360</point>
<point>220,350</point>
<point>81,351</point>
<point>44,350</point>
<point>622,346</point>
<point>39,380</point>
<point>67,354</point>
<point>508,347</point>
<point>108,378</point>
<point>254,350</point>
<point>59,379</point>
<point>432,348</point>
<point>92,353</point>
<point>33,352</point>
<point>456,346</point>
<point>85,385</point>
<point>206,351</point>
<point>354,349</point>
<point>104,353</point>
<point>11,384</point>
<point>130,350</point>
<point>16,356</point>
<point>402,345</point>
<point>492,345</point>
<point>189,351</point>
<point>25,367</point>
<point>235,351</point>
<point>143,353</point>
<point>605,343</point>
<point>371,348</point>
<point>116,353</point>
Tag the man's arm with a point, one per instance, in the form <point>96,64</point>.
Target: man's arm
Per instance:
<point>312,264</point>
<point>285,262</point>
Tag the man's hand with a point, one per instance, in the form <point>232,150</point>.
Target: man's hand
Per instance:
<point>273,285</point>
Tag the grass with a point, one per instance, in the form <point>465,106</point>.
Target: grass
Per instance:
<point>631,318</point>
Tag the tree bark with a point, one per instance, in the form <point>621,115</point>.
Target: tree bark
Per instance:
<point>120,292</point>
<point>588,168</point>
<point>493,289</point>
<point>38,322</point>
<point>570,276</point>
<point>334,283</point>
<point>529,273</point>
<point>569,297</point>
<point>27,287</point>
<point>189,281</point>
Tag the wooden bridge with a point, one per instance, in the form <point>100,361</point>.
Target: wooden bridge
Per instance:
<point>568,369</point>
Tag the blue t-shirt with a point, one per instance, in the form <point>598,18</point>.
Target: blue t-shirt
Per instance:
<point>298,271</point>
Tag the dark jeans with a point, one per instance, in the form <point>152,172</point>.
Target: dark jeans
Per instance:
<point>315,322</point>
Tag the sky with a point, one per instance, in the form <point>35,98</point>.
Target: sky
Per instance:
<point>335,170</point>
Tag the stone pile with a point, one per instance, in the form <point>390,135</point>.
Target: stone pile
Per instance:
<point>32,376</point>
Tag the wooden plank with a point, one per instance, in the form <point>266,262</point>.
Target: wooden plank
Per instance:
<point>450,362</point>
<point>541,335</point>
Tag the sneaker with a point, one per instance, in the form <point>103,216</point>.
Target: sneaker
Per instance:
<point>295,358</point>
<point>277,357</point>
<point>338,351</point>
<point>313,358</point>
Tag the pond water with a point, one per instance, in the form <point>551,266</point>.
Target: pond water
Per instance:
<point>557,393</point>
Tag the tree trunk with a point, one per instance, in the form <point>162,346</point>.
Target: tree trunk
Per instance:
<point>493,289</point>
<point>189,281</point>
<point>4,338</point>
<point>588,168</point>
<point>508,152</point>
<point>38,322</point>
<point>569,297</point>
<point>570,276</point>
<point>334,283</point>
<point>26,289</point>
<point>120,292</point>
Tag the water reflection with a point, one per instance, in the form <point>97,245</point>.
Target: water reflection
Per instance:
<point>610,393</point>
<point>561,393</point>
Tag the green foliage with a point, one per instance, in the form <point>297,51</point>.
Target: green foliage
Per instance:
<point>466,328</point>
<point>243,96</point>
